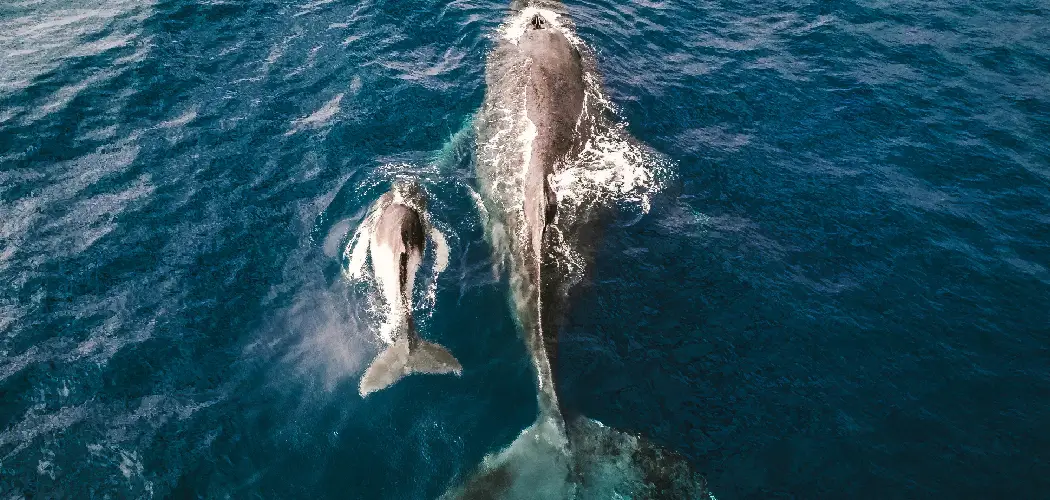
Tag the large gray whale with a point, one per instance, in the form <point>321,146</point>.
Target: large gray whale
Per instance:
<point>534,125</point>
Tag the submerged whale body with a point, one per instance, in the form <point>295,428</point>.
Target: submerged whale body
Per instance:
<point>536,125</point>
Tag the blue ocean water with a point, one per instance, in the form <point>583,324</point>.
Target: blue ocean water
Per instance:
<point>843,294</point>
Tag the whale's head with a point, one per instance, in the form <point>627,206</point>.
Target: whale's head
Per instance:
<point>411,193</point>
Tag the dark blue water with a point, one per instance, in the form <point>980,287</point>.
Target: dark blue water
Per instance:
<point>844,294</point>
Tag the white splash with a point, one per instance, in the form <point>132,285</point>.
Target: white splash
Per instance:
<point>515,27</point>
<point>441,251</point>
<point>320,338</point>
<point>610,167</point>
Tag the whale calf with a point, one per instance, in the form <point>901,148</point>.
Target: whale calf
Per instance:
<point>541,120</point>
<point>395,236</point>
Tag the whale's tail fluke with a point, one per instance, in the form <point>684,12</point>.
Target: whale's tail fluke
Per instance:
<point>588,461</point>
<point>536,465</point>
<point>610,463</point>
<point>406,357</point>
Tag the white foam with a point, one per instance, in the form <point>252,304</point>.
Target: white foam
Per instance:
<point>513,29</point>
<point>45,467</point>
<point>440,252</point>
<point>357,248</point>
<point>595,461</point>
<point>610,167</point>
<point>130,464</point>
<point>535,465</point>
<point>334,238</point>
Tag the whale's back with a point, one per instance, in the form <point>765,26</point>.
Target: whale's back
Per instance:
<point>401,228</point>
<point>555,91</point>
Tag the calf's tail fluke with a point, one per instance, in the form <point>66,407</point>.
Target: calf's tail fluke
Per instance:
<point>405,357</point>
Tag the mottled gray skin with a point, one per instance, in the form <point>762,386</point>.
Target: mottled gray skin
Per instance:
<point>556,457</point>
<point>401,228</point>
<point>554,101</point>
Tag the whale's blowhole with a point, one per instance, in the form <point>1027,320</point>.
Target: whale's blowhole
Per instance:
<point>538,22</point>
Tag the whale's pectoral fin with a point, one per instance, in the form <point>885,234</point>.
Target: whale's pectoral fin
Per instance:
<point>440,250</point>
<point>358,251</point>
<point>357,247</point>
<point>398,360</point>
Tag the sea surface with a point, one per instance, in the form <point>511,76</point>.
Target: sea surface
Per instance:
<point>842,292</point>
